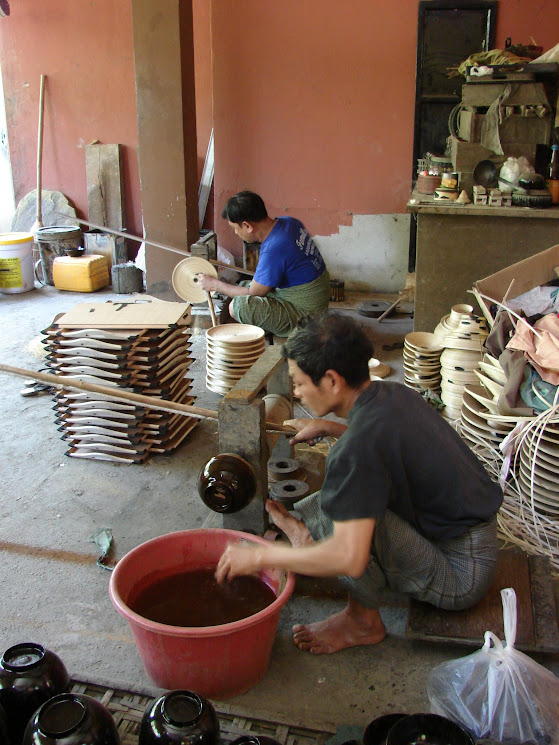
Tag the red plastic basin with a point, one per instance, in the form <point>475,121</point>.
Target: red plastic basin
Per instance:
<point>214,661</point>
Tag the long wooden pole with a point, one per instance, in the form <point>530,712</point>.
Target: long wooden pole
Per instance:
<point>212,309</point>
<point>39,220</point>
<point>149,402</point>
<point>184,254</point>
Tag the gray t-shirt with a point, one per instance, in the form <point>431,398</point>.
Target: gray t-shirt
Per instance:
<point>398,453</point>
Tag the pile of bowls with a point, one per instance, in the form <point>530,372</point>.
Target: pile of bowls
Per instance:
<point>422,361</point>
<point>231,350</point>
<point>462,334</point>
<point>480,427</point>
<point>538,468</point>
<point>458,369</point>
<point>462,329</point>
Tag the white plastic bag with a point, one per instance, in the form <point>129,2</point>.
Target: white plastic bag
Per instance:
<point>511,170</point>
<point>498,692</point>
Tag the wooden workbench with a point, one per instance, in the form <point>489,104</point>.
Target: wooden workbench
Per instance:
<point>459,244</point>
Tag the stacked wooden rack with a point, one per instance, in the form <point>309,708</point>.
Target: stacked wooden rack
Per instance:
<point>141,347</point>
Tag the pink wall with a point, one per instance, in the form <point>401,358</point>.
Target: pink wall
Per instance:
<point>522,19</point>
<point>314,102</point>
<point>313,108</point>
<point>312,99</point>
<point>86,51</point>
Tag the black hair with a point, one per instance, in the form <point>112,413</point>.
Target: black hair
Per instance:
<point>245,206</point>
<point>330,342</point>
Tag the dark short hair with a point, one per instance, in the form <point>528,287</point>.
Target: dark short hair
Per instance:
<point>330,342</point>
<point>245,206</point>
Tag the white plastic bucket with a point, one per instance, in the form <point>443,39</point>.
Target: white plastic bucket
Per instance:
<point>16,263</point>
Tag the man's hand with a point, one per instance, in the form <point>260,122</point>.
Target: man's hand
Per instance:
<point>238,559</point>
<point>209,283</point>
<point>308,430</point>
<point>312,431</point>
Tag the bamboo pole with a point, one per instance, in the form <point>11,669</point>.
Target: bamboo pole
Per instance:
<point>39,219</point>
<point>184,254</point>
<point>212,309</point>
<point>150,402</point>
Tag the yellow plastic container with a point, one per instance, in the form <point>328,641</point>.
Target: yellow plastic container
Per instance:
<point>80,273</point>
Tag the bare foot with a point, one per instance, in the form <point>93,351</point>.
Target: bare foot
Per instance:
<point>294,529</point>
<point>351,627</point>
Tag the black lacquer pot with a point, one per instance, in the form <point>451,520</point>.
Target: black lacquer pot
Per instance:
<point>179,718</point>
<point>72,719</point>
<point>227,483</point>
<point>255,740</point>
<point>29,676</point>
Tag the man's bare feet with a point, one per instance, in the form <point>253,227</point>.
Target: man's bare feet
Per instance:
<point>294,529</point>
<point>352,627</point>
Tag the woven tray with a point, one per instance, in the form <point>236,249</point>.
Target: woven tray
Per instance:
<point>127,709</point>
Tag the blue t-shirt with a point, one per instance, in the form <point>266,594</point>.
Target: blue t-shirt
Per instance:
<point>288,256</point>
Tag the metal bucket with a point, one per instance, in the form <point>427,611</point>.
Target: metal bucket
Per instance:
<point>56,241</point>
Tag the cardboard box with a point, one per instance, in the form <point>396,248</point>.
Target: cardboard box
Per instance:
<point>524,275</point>
<point>466,155</point>
<point>523,94</point>
<point>532,129</point>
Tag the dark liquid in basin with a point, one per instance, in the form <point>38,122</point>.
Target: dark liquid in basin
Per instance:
<point>194,598</point>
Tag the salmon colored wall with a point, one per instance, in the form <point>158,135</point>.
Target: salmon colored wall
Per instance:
<point>314,102</point>
<point>85,48</point>
<point>522,19</point>
<point>312,99</point>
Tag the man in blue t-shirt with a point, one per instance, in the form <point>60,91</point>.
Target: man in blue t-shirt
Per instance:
<point>291,280</point>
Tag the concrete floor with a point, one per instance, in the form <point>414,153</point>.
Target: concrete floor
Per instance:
<point>54,594</point>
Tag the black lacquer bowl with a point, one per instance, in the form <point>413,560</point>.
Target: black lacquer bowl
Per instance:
<point>227,483</point>
<point>255,740</point>
<point>377,731</point>
<point>71,719</point>
<point>179,718</point>
<point>427,729</point>
<point>29,676</point>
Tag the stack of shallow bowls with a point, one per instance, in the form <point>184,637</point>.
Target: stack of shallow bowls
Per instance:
<point>422,361</point>
<point>458,369</point>
<point>478,424</point>
<point>231,350</point>
<point>462,329</point>
<point>462,335</point>
<point>537,474</point>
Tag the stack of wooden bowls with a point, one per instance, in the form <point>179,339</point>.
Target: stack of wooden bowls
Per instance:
<point>231,350</point>
<point>462,335</point>
<point>538,467</point>
<point>422,361</point>
<point>479,426</point>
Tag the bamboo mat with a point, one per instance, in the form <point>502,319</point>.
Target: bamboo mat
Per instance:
<point>127,709</point>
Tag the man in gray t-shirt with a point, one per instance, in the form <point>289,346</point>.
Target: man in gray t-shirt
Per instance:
<point>405,503</point>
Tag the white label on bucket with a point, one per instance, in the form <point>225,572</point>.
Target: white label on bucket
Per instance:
<point>10,272</point>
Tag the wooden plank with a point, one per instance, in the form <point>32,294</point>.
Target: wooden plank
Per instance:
<point>141,314</point>
<point>206,181</point>
<point>248,387</point>
<point>105,196</point>
<point>536,616</point>
<point>543,604</point>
